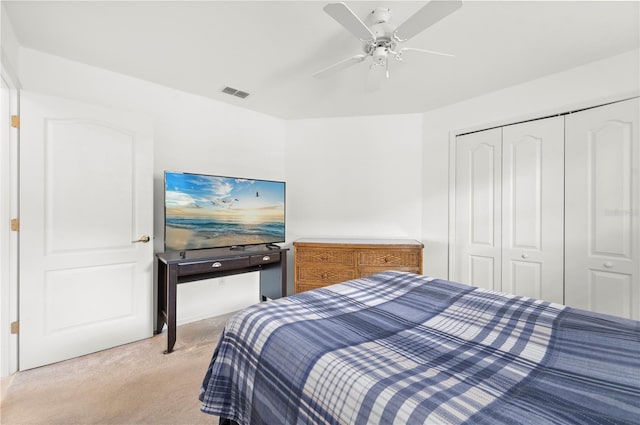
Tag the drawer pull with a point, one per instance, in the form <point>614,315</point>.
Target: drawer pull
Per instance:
<point>266,258</point>
<point>324,258</point>
<point>216,265</point>
<point>324,275</point>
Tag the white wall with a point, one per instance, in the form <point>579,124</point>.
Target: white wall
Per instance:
<point>10,49</point>
<point>354,177</point>
<point>193,134</point>
<point>584,86</point>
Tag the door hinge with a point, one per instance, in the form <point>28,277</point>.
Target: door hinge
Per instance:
<point>15,121</point>
<point>15,224</point>
<point>15,328</point>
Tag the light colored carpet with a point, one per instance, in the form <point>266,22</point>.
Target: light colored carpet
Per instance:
<point>131,384</point>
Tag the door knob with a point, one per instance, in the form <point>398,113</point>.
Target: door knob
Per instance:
<point>524,256</point>
<point>143,239</point>
<point>608,264</point>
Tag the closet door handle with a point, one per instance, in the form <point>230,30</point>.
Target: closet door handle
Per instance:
<point>608,264</point>
<point>524,256</point>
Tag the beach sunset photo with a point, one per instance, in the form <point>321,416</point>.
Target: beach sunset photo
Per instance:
<point>203,211</point>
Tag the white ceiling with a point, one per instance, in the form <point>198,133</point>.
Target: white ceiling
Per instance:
<point>271,48</point>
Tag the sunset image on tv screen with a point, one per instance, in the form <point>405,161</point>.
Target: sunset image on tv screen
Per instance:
<point>204,211</point>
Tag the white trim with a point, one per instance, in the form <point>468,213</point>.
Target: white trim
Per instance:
<point>9,239</point>
<point>454,133</point>
<point>452,204</point>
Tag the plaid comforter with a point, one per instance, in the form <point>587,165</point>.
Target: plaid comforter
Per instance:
<point>398,348</point>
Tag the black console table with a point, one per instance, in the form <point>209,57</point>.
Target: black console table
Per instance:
<point>189,266</point>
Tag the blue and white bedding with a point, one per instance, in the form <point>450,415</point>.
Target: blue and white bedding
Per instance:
<point>399,348</point>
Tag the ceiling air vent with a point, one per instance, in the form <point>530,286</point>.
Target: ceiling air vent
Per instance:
<point>235,92</point>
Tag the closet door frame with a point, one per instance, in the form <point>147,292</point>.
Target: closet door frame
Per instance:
<point>545,113</point>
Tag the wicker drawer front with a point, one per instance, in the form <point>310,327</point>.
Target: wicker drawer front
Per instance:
<point>388,258</point>
<point>323,276</point>
<point>369,271</point>
<point>302,288</point>
<point>324,256</point>
<point>319,263</point>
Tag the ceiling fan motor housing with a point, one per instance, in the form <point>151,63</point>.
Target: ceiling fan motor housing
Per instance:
<point>378,23</point>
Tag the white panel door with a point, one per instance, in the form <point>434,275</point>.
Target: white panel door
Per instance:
<point>533,209</point>
<point>86,187</point>
<point>602,258</point>
<point>478,209</point>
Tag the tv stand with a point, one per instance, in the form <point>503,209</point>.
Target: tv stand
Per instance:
<point>188,266</point>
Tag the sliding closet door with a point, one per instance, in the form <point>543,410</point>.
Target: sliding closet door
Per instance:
<point>602,257</point>
<point>533,209</point>
<point>478,209</point>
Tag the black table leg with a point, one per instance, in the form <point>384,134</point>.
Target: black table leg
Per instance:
<point>162,297</point>
<point>172,287</point>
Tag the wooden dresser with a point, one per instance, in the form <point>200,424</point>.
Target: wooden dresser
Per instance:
<point>322,262</point>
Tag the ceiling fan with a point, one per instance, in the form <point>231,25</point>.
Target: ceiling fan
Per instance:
<point>379,38</point>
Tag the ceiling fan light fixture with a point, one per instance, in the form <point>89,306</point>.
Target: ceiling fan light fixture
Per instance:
<point>380,55</point>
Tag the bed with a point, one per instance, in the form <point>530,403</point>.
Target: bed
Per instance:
<point>400,348</point>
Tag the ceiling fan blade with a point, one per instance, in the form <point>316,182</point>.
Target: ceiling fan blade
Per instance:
<point>345,17</point>
<point>340,65</point>
<point>413,49</point>
<point>428,15</point>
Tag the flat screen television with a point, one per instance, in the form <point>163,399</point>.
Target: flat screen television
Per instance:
<point>207,211</point>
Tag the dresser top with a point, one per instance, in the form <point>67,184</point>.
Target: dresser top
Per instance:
<point>346,241</point>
